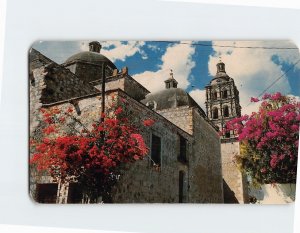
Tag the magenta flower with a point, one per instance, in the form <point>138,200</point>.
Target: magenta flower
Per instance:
<point>253,99</point>
<point>270,138</point>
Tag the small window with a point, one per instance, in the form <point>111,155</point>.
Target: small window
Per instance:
<point>225,94</point>
<point>182,150</point>
<point>215,113</point>
<point>226,111</point>
<point>156,150</point>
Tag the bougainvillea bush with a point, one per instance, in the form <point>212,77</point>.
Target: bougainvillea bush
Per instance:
<point>92,156</point>
<point>269,139</point>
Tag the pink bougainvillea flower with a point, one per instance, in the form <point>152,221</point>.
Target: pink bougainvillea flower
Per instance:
<point>270,137</point>
<point>253,99</point>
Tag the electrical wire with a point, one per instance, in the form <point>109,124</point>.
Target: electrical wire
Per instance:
<point>226,46</point>
<point>277,79</point>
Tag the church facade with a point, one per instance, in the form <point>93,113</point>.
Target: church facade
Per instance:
<point>184,142</point>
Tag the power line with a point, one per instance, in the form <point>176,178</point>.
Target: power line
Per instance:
<point>277,79</point>
<point>227,46</point>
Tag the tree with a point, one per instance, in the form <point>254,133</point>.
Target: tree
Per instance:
<point>92,157</point>
<point>269,139</point>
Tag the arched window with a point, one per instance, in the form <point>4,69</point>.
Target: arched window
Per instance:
<point>226,111</point>
<point>215,113</point>
<point>214,95</point>
<point>225,94</point>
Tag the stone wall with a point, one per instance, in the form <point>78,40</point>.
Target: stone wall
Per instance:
<point>52,84</point>
<point>205,162</point>
<point>205,170</point>
<point>141,182</point>
<point>134,89</point>
<point>180,116</point>
<point>237,189</point>
<point>126,84</point>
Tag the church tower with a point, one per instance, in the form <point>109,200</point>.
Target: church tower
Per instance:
<point>222,105</point>
<point>222,100</point>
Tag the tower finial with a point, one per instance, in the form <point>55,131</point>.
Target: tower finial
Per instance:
<point>171,74</point>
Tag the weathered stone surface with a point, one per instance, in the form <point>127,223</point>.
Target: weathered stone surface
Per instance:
<point>233,177</point>
<point>125,83</point>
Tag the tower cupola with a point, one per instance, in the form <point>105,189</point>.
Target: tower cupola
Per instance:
<point>221,67</point>
<point>171,82</point>
<point>95,47</point>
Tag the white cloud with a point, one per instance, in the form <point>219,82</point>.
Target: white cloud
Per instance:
<point>177,57</point>
<point>253,69</point>
<point>153,47</point>
<point>251,107</point>
<point>84,45</point>
<point>117,50</point>
<point>199,96</point>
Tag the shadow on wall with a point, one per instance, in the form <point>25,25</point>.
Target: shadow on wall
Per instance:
<point>229,195</point>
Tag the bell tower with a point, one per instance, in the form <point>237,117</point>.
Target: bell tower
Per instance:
<point>222,100</point>
<point>222,105</point>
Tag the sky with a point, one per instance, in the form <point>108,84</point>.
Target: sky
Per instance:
<point>254,65</point>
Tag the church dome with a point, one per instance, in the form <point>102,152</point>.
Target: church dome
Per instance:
<point>93,56</point>
<point>169,98</point>
<point>89,57</point>
<point>88,65</point>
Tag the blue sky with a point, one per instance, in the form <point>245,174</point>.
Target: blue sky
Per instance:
<point>150,62</point>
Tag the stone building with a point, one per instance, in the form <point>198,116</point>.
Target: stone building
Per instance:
<point>183,141</point>
<point>222,105</point>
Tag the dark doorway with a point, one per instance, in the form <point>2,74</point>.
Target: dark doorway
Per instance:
<point>74,193</point>
<point>46,193</point>
<point>181,180</point>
